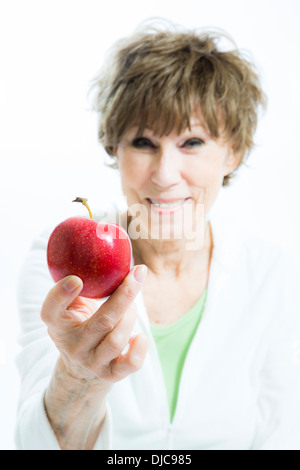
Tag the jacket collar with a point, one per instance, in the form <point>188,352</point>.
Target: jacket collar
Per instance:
<point>228,238</point>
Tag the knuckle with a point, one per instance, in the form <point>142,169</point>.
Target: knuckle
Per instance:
<point>51,334</point>
<point>103,324</point>
<point>129,292</point>
<point>51,303</point>
<point>135,362</point>
<point>114,342</point>
<point>44,315</point>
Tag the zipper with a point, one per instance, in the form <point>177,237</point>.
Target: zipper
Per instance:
<point>157,368</point>
<point>218,279</point>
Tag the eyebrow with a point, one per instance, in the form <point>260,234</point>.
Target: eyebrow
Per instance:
<point>194,125</point>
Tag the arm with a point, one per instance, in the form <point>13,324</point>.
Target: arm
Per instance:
<point>67,408</point>
<point>279,398</point>
<point>74,409</point>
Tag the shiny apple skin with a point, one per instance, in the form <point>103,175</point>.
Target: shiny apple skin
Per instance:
<point>98,253</point>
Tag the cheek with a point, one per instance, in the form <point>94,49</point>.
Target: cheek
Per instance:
<point>133,172</point>
<point>207,174</point>
<point>209,179</point>
<point>215,177</point>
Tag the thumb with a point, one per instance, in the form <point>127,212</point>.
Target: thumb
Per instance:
<point>113,309</point>
<point>59,298</point>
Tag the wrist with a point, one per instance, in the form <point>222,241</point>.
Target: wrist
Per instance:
<point>75,408</point>
<point>67,381</point>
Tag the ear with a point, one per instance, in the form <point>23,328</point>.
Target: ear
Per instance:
<point>231,162</point>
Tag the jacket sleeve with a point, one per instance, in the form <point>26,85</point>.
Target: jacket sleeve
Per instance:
<point>38,356</point>
<point>279,397</point>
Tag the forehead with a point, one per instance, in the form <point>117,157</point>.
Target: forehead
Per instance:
<point>196,123</point>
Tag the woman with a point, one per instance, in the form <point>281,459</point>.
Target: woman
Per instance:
<point>208,313</point>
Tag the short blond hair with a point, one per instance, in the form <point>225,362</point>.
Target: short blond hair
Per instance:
<point>159,75</point>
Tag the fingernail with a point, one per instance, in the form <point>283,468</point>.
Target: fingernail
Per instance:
<point>71,283</point>
<point>140,273</point>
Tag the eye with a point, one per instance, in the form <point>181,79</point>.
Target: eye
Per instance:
<point>142,142</point>
<point>194,142</point>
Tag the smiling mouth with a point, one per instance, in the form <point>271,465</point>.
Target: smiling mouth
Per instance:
<point>172,203</point>
<point>166,206</point>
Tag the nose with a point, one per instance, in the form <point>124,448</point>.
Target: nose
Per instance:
<point>166,171</point>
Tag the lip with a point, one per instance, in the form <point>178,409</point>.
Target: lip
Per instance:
<point>167,201</point>
<point>166,210</point>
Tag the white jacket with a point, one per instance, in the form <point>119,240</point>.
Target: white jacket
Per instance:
<point>240,385</point>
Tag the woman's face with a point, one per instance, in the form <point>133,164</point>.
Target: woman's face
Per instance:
<point>173,175</point>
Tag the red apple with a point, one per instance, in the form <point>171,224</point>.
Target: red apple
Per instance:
<point>98,253</point>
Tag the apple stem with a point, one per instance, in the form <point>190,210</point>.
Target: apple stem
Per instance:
<point>84,202</point>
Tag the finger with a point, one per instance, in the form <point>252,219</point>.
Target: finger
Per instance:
<point>111,311</point>
<point>80,310</point>
<point>115,342</point>
<point>133,360</point>
<point>59,298</point>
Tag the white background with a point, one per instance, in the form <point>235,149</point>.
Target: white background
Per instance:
<point>49,52</point>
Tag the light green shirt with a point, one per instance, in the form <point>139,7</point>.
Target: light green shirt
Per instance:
<point>173,342</point>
